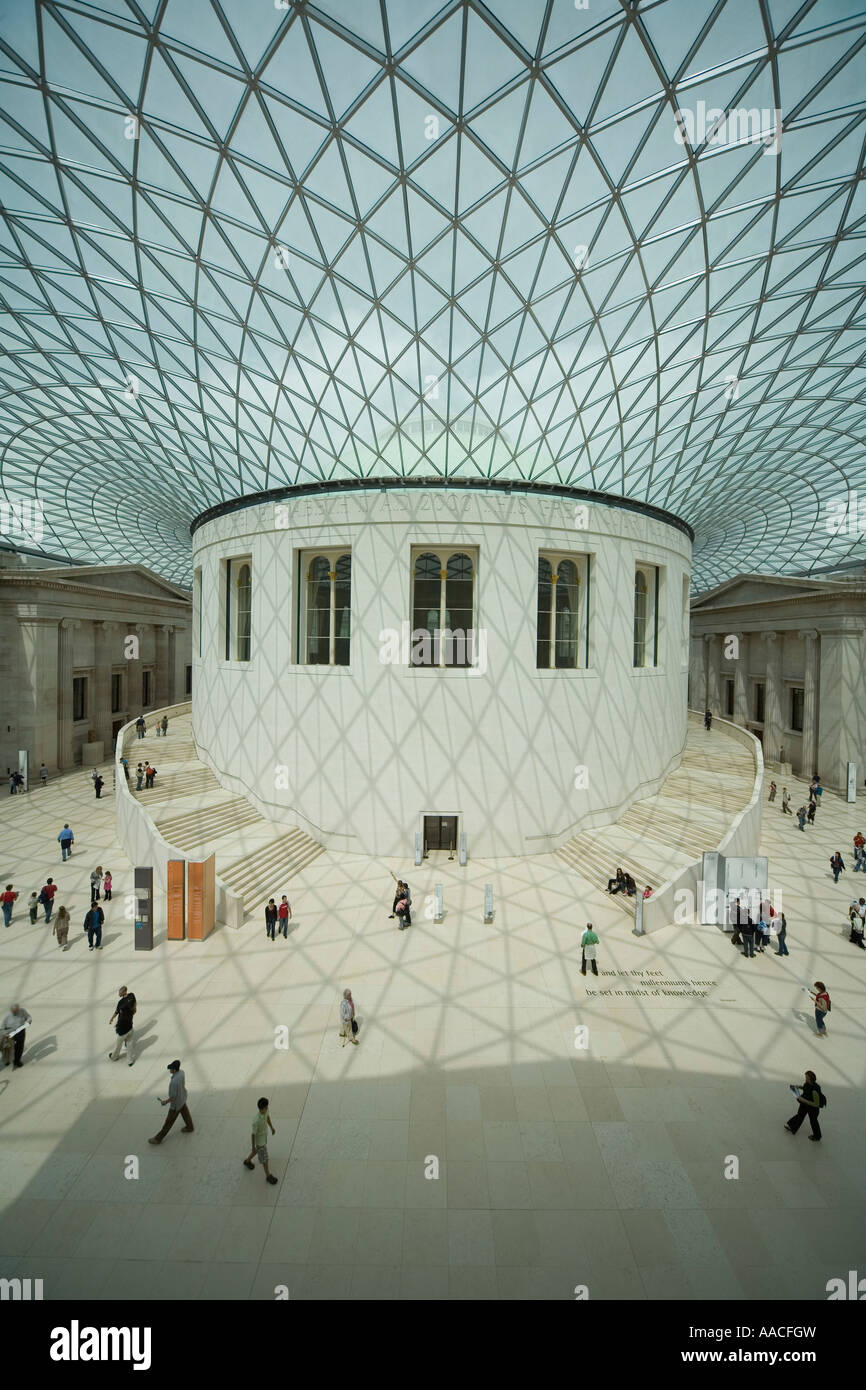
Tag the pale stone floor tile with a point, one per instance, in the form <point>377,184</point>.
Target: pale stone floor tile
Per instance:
<point>472,1282</point>
<point>378,1282</point>
<point>425,1284</point>
<point>288,1236</point>
<point>425,1238</point>
<point>133,1279</point>
<point>467,1184</point>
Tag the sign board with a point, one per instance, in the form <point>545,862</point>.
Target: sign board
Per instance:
<point>201,888</point>
<point>144,909</point>
<point>175,898</point>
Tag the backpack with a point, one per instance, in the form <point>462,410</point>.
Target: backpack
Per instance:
<point>822,1099</point>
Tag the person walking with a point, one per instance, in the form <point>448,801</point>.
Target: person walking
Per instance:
<point>163,724</point>
<point>782,936</point>
<point>67,840</point>
<point>747,927</point>
<point>13,783</point>
<point>177,1103</point>
<point>588,949</point>
<point>93,921</point>
<point>821,1000</point>
<point>261,1125</point>
<point>95,884</point>
<point>8,900</point>
<point>98,784</point>
<point>762,936</point>
<point>139,777</point>
<point>801,819</point>
<point>837,864</point>
<point>33,907</point>
<point>14,1026</point>
<point>708,720</point>
<point>810,812</point>
<point>149,774</point>
<point>140,726</point>
<point>401,907</point>
<point>106,885</point>
<point>857,918</point>
<point>810,1099</point>
<point>125,765</point>
<point>124,1013</point>
<point>772,796</point>
<point>859,852</point>
<point>271,915</point>
<point>61,927</point>
<point>348,1026</point>
<point>786,802</point>
<point>43,775</point>
<point>284,914</point>
<point>46,897</point>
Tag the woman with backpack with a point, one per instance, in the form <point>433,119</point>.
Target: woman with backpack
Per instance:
<point>822,1006</point>
<point>810,1099</point>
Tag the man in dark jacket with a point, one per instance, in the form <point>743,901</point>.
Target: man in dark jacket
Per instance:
<point>124,1013</point>
<point>809,1097</point>
<point>93,926</point>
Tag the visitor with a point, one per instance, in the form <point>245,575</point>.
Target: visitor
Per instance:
<point>763,935</point>
<point>177,1102</point>
<point>95,884</point>
<point>837,864</point>
<point>13,783</point>
<point>124,1013</point>
<point>14,1026</point>
<point>588,949</point>
<point>125,765</point>
<point>786,802</point>
<point>809,1101</point>
<point>98,784</point>
<point>348,1024</point>
<point>629,886</point>
<point>67,839</point>
<point>149,774</point>
<point>401,890</point>
<point>616,884</point>
<point>801,819</point>
<point>859,852</point>
<point>93,921</point>
<point>46,897</point>
<point>7,900</point>
<point>772,796</point>
<point>782,936</point>
<point>401,908</point>
<point>43,775</point>
<point>738,917</point>
<point>61,926</point>
<point>747,928</point>
<point>708,720</point>
<point>284,915</point>
<point>140,726</point>
<point>810,812</point>
<point>261,1125</point>
<point>107,885</point>
<point>271,915</point>
<point>822,1006</point>
<point>163,724</point>
<point>33,907</point>
<point>647,892</point>
<point>857,918</point>
<point>139,777</point>
<point>813,787</point>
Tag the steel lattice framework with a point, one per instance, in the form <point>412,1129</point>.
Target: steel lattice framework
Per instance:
<point>248,244</point>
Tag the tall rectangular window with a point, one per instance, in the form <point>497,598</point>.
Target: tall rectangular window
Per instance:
<point>759,701</point>
<point>239,609</point>
<point>562,634</point>
<point>685,620</point>
<point>729,699</point>
<point>147,689</point>
<point>647,583</point>
<point>79,697</point>
<point>116,692</point>
<point>443,607</point>
<point>798,699</point>
<point>325,629</point>
<point>196,611</point>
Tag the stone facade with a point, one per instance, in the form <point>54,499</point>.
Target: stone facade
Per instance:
<point>83,649</point>
<point>785,657</point>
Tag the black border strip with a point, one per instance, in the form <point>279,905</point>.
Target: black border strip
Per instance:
<point>553,490</point>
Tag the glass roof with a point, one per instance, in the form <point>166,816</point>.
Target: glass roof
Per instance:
<point>248,244</point>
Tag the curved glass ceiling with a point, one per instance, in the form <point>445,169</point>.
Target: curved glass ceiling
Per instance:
<point>249,244</point>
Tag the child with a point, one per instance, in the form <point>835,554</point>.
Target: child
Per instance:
<point>61,927</point>
<point>647,892</point>
<point>261,1123</point>
<point>107,885</point>
<point>33,906</point>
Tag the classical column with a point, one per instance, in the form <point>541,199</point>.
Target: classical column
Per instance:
<point>101,707</point>
<point>810,701</point>
<point>772,697</point>
<point>162,677</point>
<point>174,687</point>
<point>714,672</point>
<point>840,677</point>
<point>741,683</point>
<point>136,673</point>
<point>65,639</point>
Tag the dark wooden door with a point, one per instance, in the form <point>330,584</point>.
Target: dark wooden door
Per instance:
<point>440,832</point>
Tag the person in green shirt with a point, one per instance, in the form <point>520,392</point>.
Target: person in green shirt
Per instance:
<point>260,1139</point>
<point>588,944</point>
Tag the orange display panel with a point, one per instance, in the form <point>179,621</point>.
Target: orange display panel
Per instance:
<point>201,888</point>
<point>175,897</point>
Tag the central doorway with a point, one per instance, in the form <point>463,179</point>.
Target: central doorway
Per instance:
<point>440,832</point>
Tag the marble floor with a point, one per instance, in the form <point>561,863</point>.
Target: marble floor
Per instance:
<point>476,1144</point>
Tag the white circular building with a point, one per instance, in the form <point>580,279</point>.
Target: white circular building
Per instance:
<point>377,659</point>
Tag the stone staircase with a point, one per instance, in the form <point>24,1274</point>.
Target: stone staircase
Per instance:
<point>256,858</point>
<point>660,835</point>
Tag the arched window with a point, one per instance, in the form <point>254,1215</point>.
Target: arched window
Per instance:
<point>244,597</point>
<point>443,609</point>
<point>640,617</point>
<point>563,618</point>
<point>328,609</point>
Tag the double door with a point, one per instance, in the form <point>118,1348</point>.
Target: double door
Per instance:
<point>440,832</point>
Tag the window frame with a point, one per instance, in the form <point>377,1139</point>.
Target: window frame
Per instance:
<point>444,554</point>
<point>332,555</point>
<point>582,562</point>
<point>651,575</point>
<point>81,681</point>
<point>234,566</point>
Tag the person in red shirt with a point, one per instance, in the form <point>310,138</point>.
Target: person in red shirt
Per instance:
<point>284,914</point>
<point>7,901</point>
<point>46,897</point>
<point>859,852</point>
<point>822,1006</point>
